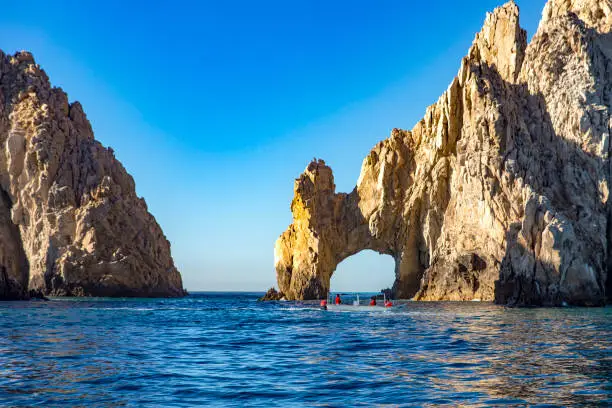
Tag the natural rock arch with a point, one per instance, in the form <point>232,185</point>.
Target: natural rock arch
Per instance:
<point>499,193</point>
<point>329,228</point>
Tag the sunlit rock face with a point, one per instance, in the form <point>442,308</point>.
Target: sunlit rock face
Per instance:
<point>499,193</point>
<point>70,220</point>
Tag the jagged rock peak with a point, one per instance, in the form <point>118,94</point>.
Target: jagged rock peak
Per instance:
<point>502,41</point>
<point>70,220</point>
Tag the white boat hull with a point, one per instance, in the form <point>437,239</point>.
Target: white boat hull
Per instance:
<point>360,308</point>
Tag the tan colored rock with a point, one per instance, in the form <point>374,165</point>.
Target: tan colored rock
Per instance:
<point>595,14</point>
<point>75,221</point>
<point>499,193</point>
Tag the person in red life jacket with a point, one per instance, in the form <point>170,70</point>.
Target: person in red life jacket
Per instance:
<point>338,300</point>
<point>388,303</point>
<point>373,301</point>
<point>324,304</point>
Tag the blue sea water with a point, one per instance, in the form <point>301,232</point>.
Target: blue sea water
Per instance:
<point>226,349</point>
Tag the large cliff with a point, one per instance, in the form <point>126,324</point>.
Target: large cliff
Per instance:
<point>499,193</point>
<point>70,220</point>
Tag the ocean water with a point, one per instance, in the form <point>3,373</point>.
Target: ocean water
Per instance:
<point>228,350</point>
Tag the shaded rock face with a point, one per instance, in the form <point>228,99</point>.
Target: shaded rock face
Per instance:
<point>499,193</point>
<point>70,220</point>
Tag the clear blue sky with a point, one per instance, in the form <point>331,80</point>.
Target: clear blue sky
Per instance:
<point>216,106</point>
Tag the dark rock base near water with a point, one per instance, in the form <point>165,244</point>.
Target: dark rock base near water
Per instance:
<point>11,290</point>
<point>271,294</point>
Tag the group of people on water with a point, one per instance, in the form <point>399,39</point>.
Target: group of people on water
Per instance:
<point>338,301</point>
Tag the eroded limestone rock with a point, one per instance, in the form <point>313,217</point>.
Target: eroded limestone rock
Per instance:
<point>499,193</point>
<point>70,220</point>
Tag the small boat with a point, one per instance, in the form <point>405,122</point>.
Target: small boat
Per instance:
<point>356,305</point>
<point>354,308</point>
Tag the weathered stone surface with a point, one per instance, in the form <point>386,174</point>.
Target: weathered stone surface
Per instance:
<point>499,193</point>
<point>70,220</point>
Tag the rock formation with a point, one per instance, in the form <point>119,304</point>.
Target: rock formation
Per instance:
<point>70,220</point>
<point>499,193</point>
<point>271,294</point>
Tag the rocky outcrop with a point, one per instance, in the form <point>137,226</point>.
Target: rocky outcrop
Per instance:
<point>499,193</point>
<point>271,294</point>
<point>70,220</point>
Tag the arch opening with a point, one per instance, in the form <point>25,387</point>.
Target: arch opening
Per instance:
<point>364,272</point>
